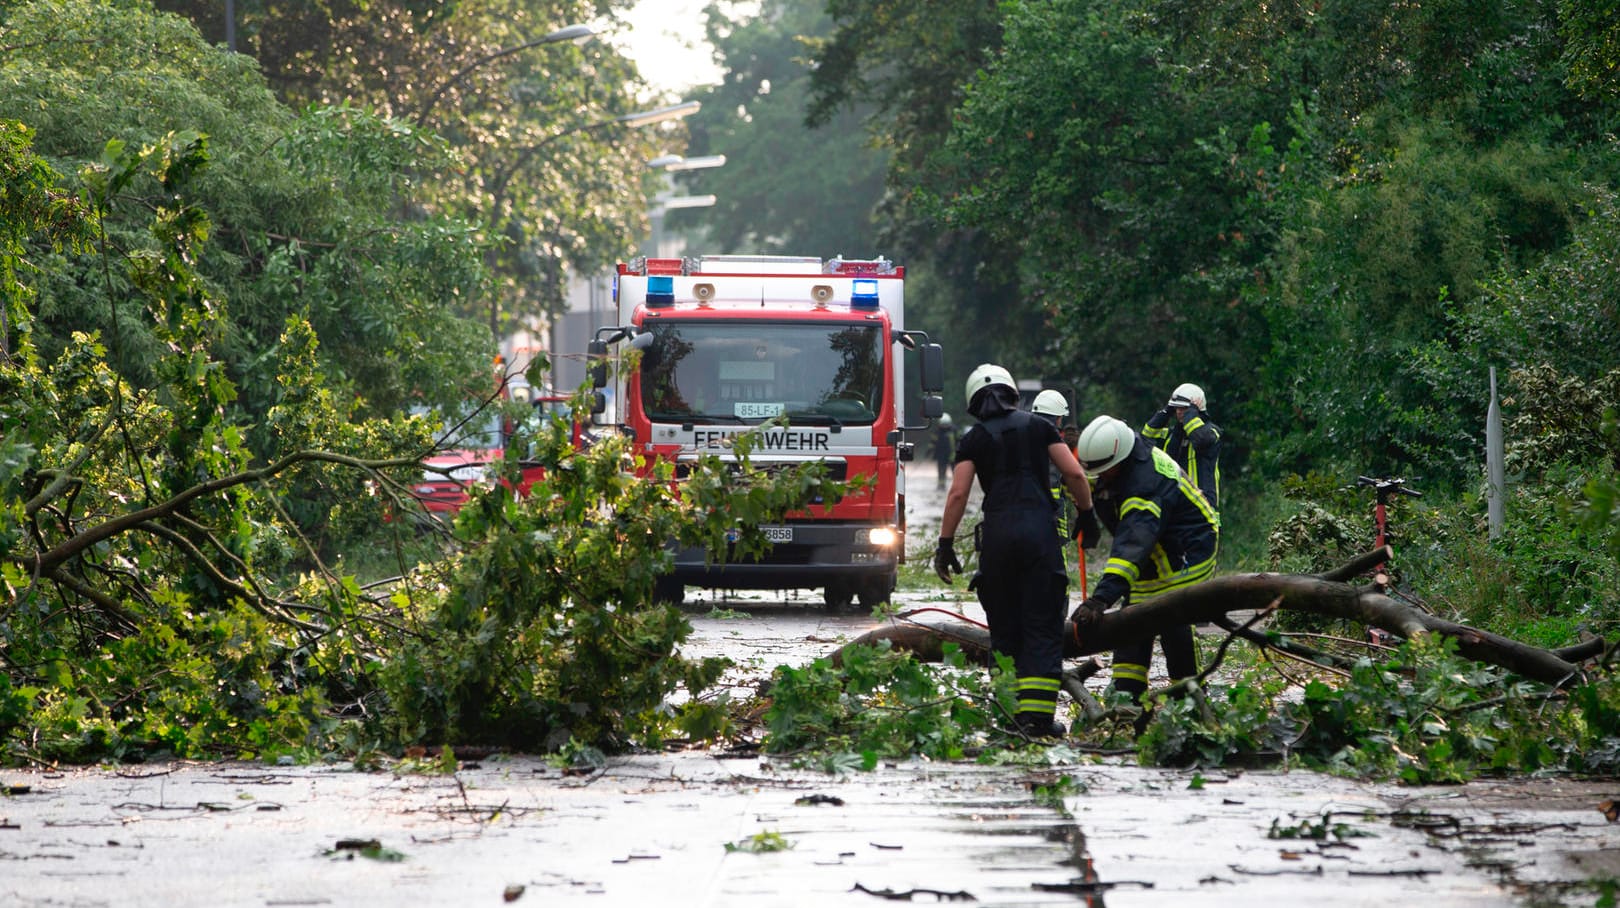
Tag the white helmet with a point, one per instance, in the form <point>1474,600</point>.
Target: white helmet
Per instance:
<point>1104,443</point>
<point>1187,395</point>
<point>1050,403</point>
<point>983,377</point>
<point>944,420</point>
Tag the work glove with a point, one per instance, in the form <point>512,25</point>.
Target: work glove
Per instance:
<point>1088,612</point>
<point>1087,529</point>
<point>1189,414</point>
<point>945,563</point>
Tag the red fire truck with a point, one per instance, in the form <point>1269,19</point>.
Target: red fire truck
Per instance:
<point>730,342</point>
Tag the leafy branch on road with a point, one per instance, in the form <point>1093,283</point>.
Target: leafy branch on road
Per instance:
<point>1448,703</point>
<point>164,594</point>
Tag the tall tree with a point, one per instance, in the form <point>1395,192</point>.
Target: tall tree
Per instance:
<point>907,70</point>
<point>786,188</point>
<point>305,210</point>
<point>546,166</point>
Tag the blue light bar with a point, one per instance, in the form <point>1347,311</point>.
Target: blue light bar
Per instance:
<point>660,291</point>
<point>863,294</point>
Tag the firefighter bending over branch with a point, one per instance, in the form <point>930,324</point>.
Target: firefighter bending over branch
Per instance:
<point>1021,581</point>
<point>1165,536</point>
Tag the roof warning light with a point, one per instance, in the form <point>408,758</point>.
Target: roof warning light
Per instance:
<point>660,291</point>
<point>863,294</point>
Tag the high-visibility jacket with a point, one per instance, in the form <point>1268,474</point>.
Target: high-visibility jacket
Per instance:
<point>1165,530</point>
<point>1195,445</point>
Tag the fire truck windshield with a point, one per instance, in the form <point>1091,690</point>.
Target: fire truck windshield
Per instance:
<point>709,372</point>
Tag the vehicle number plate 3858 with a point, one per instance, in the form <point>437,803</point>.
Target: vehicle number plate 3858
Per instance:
<point>778,534</point>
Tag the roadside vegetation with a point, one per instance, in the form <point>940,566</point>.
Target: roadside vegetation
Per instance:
<point>225,279</point>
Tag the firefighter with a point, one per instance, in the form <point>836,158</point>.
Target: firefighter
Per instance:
<point>1165,537</point>
<point>1072,524</point>
<point>1191,440</point>
<point>944,447</point>
<point>1021,580</point>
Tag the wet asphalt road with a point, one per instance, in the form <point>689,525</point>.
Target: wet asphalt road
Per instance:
<point>655,829</point>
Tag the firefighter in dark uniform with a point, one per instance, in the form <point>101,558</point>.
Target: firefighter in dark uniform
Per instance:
<point>1021,581</point>
<point>1183,430</point>
<point>1165,538</point>
<point>944,448</point>
<point>1072,524</point>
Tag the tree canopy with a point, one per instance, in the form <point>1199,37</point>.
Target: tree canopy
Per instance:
<point>788,190</point>
<point>307,211</point>
<point>545,166</point>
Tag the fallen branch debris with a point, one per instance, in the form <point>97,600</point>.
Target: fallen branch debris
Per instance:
<point>1213,602</point>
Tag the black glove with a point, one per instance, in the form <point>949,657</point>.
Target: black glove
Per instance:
<point>1087,529</point>
<point>945,563</point>
<point>1189,414</point>
<point>1088,612</point>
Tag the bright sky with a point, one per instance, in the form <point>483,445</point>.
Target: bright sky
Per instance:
<point>666,41</point>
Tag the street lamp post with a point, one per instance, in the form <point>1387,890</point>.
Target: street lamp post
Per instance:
<point>629,120</point>
<point>569,33</point>
<point>674,163</point>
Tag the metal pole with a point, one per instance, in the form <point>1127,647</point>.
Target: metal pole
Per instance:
<point>1496,483</point>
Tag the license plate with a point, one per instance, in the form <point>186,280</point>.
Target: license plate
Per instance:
<point>778,534</point>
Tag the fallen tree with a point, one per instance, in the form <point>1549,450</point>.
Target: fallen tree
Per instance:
<point>1328,595</point>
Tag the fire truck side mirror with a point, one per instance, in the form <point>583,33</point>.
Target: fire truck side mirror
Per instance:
<point>932,406</point>
<point>598,355</point>
<point>933,370</point>
<point>598,403</point>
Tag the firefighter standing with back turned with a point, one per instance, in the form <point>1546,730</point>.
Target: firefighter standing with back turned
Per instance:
<point>1165,537</point>
<point>1021,581</point>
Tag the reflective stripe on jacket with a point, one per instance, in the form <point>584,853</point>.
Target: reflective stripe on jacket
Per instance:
<point>1165,531</point>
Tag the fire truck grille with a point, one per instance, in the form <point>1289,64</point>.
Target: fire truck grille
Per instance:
<point>837,470</point>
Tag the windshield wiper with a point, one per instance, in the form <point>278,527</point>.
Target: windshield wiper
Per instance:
<point>816,418</point>
<point>703,419</point>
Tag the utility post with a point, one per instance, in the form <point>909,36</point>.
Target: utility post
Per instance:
<point>666,201</point>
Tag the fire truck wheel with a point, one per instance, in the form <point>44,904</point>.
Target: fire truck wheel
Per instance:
<point>876,593</point>
<point>838,598</point>
<point>668,590</point>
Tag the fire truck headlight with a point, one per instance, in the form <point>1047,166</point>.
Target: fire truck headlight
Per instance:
<point>882,537</point>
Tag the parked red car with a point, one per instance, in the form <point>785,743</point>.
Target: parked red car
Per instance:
<point>472,444</point>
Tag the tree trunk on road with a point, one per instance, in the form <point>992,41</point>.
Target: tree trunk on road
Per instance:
<point>1325,594</point>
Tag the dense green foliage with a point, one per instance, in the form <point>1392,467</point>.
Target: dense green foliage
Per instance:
<point>878,704</point>
<point>1336,218</point>
<point>544,628</point>
<point>1422,716</point>
<point>788,189</point>
<point>305,212</point>
<point>186,465</point>
<point>221,287</point>
<point>543,167</point>
<point>139,615</point>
